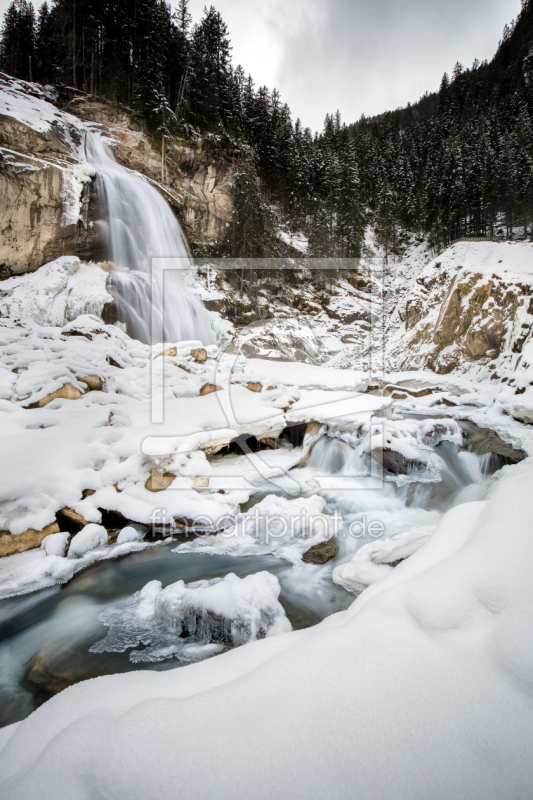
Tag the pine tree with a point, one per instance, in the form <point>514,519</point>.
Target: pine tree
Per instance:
<point>251,233</point>
<point>17,40</point>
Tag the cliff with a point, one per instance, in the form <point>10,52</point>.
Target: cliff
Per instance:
<point>48,203</point>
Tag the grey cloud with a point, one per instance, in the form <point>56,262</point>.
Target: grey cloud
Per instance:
<point>372,56</point>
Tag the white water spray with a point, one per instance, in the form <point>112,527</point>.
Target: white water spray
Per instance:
<point>155,305</point>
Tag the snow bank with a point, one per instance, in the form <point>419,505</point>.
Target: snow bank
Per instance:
<point>195,620</point>
<point>432,665</point>
<point>56,293</point>
<point>375,560</point>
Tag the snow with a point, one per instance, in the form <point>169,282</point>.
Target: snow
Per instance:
<point>33,570</point>
<point>195,620</point>
<point>419,652</point>
<point>55,544</point>
<point>56,293</point>
<point>372,562</point>
<point>285,528</point>
<point>89,538</point>
<point>296,240</point>
<point>27,104</point>
<point>129,534</point>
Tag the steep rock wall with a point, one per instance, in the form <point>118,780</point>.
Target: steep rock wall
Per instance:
<point>47,206</point>
<point>48,203</point>
<point>472,305</point>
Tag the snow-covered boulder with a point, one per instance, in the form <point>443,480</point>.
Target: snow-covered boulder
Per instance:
<point>375,560</point>
<point>285,528</point>
<point>89,538</point>
<point>129,534</point>
<point>55,544</point>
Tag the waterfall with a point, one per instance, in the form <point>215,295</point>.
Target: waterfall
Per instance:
<point>156,305</point>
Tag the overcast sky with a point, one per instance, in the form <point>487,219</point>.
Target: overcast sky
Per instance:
<point>359,56</point>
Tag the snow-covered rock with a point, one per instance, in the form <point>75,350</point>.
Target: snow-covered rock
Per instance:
<point>195,620</point>
<point>89,538</point>
<point>376,560</point>
<point>129,534</point>
<point>471,305</point>
<point>55,544</point>
<point>286,528</point>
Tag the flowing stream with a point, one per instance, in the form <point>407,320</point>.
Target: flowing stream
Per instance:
<point>45,636</point>
<point>155,303</point>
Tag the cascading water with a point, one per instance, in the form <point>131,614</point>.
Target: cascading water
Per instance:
<point>156,305</point>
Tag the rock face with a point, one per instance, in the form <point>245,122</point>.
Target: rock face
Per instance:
<point>46,201</point>
<point>35,224</point>
<point>469,305</point>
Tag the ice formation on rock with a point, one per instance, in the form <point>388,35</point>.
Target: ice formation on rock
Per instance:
<point>195,620</point>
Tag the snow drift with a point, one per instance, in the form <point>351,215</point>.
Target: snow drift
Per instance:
<point>423,688</point>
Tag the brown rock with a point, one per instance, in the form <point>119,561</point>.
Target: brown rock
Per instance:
<point>171,352</point>
<point>321,553</point>
<point>390,389</point>
<point>53,673</point>
<point>9,543</point>
<point>94,383</point>
<point>158,481</point>
<point>394,462</point>
<point>199,355</point>
<point>66,392</point>
<point>72,516</point>
<point>254,386</point>
<point>208,388</point>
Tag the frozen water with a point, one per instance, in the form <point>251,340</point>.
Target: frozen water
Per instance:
<point>191,621</point>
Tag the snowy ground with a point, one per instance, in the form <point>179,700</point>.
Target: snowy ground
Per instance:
<point>389,698</point>
<point>423,687</point>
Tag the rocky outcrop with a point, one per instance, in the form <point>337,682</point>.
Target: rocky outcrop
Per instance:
<point>10,543</point>
<point>471,305</point>
<point>38,221</point>
<point>48,202</point>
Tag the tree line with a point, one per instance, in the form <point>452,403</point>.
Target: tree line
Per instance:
<point>459,162</point>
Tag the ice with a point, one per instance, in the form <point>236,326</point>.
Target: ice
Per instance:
<point>286,528</point>
<point>56,293</point>
<point>89,538</point>
<point>195,620</point>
